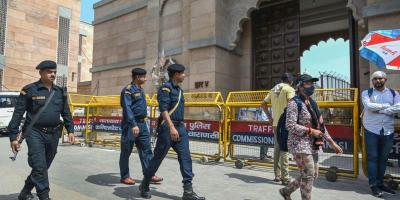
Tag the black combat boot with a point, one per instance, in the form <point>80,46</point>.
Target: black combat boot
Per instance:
<point>188,193</point>
<point>25,193</point>
<point>25,196</point>
<point>144,188</point>
<point>44,195</point>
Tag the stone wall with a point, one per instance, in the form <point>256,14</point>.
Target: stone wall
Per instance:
<point>31,37</point>
<point>86,57</point>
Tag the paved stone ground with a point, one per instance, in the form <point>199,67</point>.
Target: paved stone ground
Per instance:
<point>82,173</point>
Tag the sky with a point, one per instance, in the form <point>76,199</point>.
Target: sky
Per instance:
<point>332,55</point>
<point>87,12</point>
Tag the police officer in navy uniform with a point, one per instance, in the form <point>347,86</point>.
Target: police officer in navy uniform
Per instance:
<point>42,140</point>
<point>171,133</point>
<point>134,127</point>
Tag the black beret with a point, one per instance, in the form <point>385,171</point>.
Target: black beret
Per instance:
<point>47,64</point>
<point>176,68</point>
<point>138,72</point>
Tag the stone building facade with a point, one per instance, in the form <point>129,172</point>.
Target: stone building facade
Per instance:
<point>32,31</point>
<point>85,52</point>
<point>229,45</point>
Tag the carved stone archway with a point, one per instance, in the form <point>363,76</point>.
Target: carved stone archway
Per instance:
<point>308,41</point>
<point>239,11</point>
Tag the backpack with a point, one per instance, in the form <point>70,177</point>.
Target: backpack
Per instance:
<point>282,133</point>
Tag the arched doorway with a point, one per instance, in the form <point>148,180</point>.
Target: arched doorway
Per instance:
<point>282,30</point>
<point>276,42</point>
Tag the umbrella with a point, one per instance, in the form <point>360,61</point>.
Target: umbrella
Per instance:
<point>382,48</point>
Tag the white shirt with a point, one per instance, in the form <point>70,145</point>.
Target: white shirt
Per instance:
<point>379,110</point>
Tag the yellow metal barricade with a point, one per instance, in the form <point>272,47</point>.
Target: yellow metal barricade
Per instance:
<point>152,119</point>
<point>204,115</point>
<point>245,134</point>
<point>103,119</point>
<point>78,105</point>
<point>392,176</point>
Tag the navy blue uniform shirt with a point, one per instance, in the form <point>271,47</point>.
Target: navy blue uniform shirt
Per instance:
<point>168,96</point>
<point>31,99</point>
<point>133,103</point>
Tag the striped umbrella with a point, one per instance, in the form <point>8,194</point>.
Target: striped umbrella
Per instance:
<point>382,48</point>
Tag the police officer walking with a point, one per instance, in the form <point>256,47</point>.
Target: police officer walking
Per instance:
<point>171,133</point>
<point>134,128</point>
<point>42,139</point>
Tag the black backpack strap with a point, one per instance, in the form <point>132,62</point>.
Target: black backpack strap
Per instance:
<point>370,90</point>
<point>299,102</point>
<point>393,92</point>
<point>315,107</point>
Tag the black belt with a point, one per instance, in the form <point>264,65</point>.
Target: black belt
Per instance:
<point>177,123</point>
<point>47,130</point>
<point>142,120</point>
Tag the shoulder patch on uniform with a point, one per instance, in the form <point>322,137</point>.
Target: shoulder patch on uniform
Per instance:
<point>166,89</point>
<point>26,87</point>
<point>38,97</point>
<point>128,87</point>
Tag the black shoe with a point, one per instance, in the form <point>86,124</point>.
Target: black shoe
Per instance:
<point>376,192</point>
<point>386,189</point>
<point>26,196</point>
<point>188,193</point>
<point>192,196</point>
<point>44,195</point>
<point>144,189</point>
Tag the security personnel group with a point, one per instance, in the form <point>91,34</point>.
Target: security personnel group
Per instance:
<point>47,110</point>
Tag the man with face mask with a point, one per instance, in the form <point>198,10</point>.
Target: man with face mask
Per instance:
<point>380,105</point>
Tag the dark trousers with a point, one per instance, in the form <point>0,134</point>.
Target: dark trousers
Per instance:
<point>143,147</point>
<point>181,147</point>
<point>42,148</point>
<point>378,148</point>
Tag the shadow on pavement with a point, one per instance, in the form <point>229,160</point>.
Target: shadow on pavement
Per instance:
<point>250,179</point>
<point>132,192</point>
<point>9,197</point>
<point>344,184</point>
<point>107,179</point>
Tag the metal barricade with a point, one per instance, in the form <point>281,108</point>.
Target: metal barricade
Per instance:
<point>153,113</point>
<point>244,138</point>
<point>104,118</point>
<point>78,105</point>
